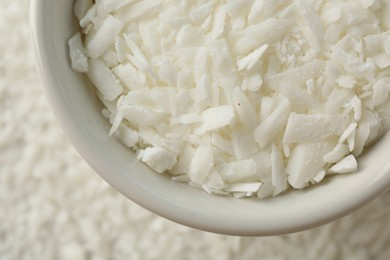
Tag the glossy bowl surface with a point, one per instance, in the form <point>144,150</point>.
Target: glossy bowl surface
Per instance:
<point>79,113</point>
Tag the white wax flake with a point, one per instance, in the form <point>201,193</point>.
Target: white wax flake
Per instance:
<point>266,32</point>
<point>346,165</point>
<point>331,14</point>
<point>267,106</point>
<point>244,187</point>
<point>374,122</point>
<point>135,49</point>
<point>85,21</point>
<point>382,60</point>
<point>279,175</point>
<point>173,144</point>
<point>217,117</point>
<point>200,13</point>
<point>110,59</point>
<point>346,82</point>
<point>381,91</point>
<point>262,10</point>
<point>351,141</point>
<point>159,159</point>
<point>245,109</point>
<point>355,104</point>
<point>206,93</point>
<point>236,8</point>
<point>150,137</point>
<point>129,76</point>
<point>361,137</point>
<point>81,7</point>
<point>297,76</point>
<point>190,118</point>
<point>310,85</point>
<point>221,55</point>
<point>218,25</point>
<point>184,160</point>
<point>201,164</point>
<point>201,65</point>
<point>273,124</point>
<point>120,48</point>
<point>303,128</point>
<point>252,83</point>
<point>305,161</point>
<point>214,184</point>
<point>139,9</point>
<point>151,39</point>
<point>337,99</point>
<point>181,178</point>
<point>222,143</point>
<point>224,65</point>
<point>78,54</point>
<point>286,150</point>
<point>128,136</point>
<point>188,36</point>
<point>115,120</point>
<point>337,153</point>
<point>167,72</point>
<point>310,24</point>
<point>250,61</point>
<point>104,37</point>
<point>244,143</point>
<point>242,98</point>
<point>348,131</point>
<point>319,176</point>
<point>265,191</point>
<point>386,17</point>
<point>114,5</point>
<point>367,3</point>
<point>104,80</point>
<point>244,170</point>
<point>141,115</point>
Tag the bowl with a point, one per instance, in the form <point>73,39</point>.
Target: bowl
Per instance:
<point>78,111</point>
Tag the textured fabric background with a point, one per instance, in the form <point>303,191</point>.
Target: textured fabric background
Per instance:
<point>53,206</point>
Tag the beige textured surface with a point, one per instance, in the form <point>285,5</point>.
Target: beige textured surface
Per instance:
<point>53,206</point>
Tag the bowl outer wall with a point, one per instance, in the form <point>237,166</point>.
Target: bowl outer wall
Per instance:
<point>79,113</point>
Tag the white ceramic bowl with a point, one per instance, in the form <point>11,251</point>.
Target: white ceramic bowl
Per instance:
<point>79,113</point>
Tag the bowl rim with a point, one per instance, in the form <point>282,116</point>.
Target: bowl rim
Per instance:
<point>182,214</point>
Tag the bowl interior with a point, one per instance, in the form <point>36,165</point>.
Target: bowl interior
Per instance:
<point>79,113</point>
